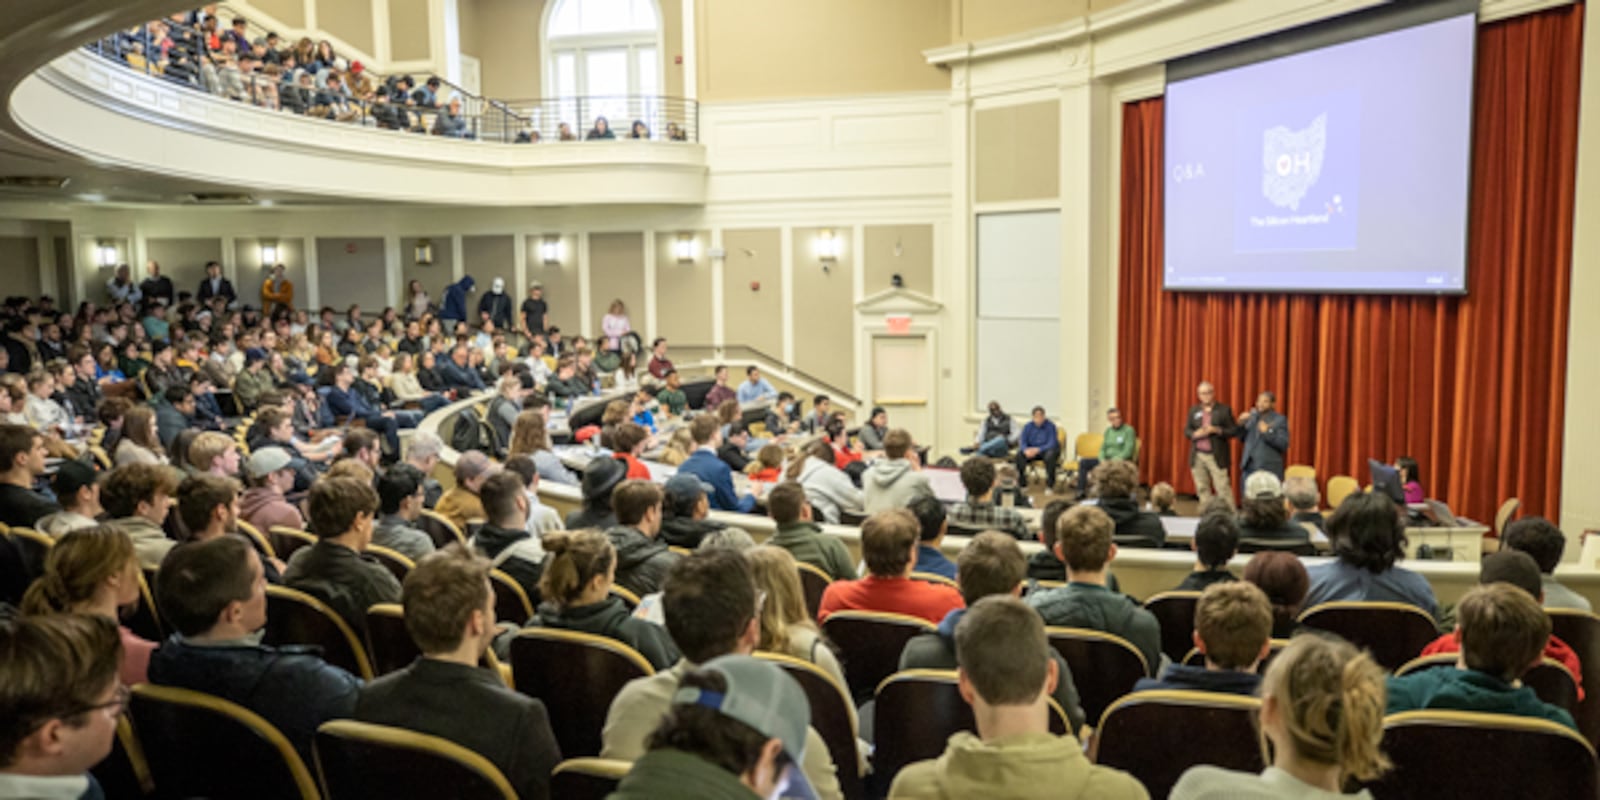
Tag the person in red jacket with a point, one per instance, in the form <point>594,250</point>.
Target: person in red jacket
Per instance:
<point>628,442</point>
<point>889,542</point>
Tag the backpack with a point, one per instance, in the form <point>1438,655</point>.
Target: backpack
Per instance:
<point>471,432</point>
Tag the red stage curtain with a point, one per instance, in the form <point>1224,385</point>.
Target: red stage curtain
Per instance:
<point>1472,387</point>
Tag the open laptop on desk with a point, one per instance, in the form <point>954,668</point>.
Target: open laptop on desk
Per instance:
<point>1436,513</point>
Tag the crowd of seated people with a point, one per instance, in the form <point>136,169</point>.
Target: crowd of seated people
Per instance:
<point>199,50</point>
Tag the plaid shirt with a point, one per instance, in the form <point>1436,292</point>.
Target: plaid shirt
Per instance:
<point>988,516</point>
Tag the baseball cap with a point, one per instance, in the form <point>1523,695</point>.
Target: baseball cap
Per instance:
<point>72,476</point>
<point>684,489</point>
<point>1262,485</point>
<point>254,354</point>
<point>266,461</point>
<point>761,696</point>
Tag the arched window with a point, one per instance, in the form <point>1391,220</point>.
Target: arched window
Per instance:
<point>603,58</point>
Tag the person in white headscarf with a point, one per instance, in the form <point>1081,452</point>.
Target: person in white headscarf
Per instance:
<point>495,305</point>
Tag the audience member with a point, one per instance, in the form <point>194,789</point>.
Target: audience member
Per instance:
<point>1039,442</point>
<point>686,509</point>
<point>1084,543</point>
<point>642,558</point>
<point>1503,632</point>
<point>1115,483</point>
<point>599,481</point>
<point>711,610</point>
<point>829,490</point>
<point>77,487</point>
<point>704,464</point>
<point>449,612</point>
<point>214,453</point>
<point>1044,565</point>
<point>504,537</point>
<point>93,571</point>
<point>889,542</point>
<point>720,392</point>
<point>213,594</point>
<point>1322,706</point>
<point>208,506</point>
<point>137,498</point>
<point>270,477</point>
<point>1215,542</point>
<point>990,565</point>
<point>787,626</point>
<point>933,525</point>
<point>628,442</point>
<point>980,512</point>
<point>541,518</point>
<point>802,537</point>
<point>896,479</point>
<point>1537,537</point>
<point>400,499</point>
<point>576,587</point>
<point>1006,674</point>
<point>1301,494</point>
<point>60,700</point>
<point>1263,516</point>
<point>1232,630</point>
<point>336,570</point>
<point>755,388</point>
<point>1282,577</point>
<point>1162,498</point>
<point>139,443</point>
<point>461,502</point>
<point>1368,538</point>
<point>22,455</point>
<point>732,451</point>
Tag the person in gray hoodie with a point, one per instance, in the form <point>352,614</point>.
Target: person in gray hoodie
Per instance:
<point>894,480</point>
<point>828,489</point>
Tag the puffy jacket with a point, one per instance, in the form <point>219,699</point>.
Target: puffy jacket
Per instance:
<point>892,483</point>
<point>828,489</point>
<point>455,299</point>
<point>688,531</point>
<point>642,562</point>
<point>1084,605</point>
<point>610,618</point>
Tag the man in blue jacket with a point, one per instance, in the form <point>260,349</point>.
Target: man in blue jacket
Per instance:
<point>346,403</point>
<point>1266,438</point>
<point>457,373</point>
<point>705,465</point>
<point>454,308</point>
<point>1039,442</point>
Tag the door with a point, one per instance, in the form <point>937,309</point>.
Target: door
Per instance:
<point>903,383</point>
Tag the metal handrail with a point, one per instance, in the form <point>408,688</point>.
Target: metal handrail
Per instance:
<point>720,352</point>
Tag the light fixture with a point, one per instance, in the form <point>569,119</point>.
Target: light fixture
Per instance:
<point>269,253</point>
<point>106,252</point>
<point>423,254</point>
<point>685,248</point>
<point>828,245</point>
<point>550,250</point>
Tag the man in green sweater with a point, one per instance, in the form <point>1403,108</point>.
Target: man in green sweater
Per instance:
<point>1118,443</point>
<point>803,538</point>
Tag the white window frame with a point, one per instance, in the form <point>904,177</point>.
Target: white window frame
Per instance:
<point>632,41</point>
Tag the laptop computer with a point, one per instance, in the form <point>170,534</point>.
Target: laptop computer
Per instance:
<point>1436,512</point>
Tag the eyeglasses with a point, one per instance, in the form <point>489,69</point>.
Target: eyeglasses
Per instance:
<point>115,706</point>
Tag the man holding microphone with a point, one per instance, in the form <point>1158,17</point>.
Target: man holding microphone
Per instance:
<point>1209,427</point>
<point>1266,438</point>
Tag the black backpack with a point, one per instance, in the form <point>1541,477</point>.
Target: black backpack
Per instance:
<point>471,432</point>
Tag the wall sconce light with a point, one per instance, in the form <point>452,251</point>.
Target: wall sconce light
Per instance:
<point>550,250</point>
<point>828,245</point>
<point>106,253</point>
<point>685,249</point>
<point>423,254</point>
<point>269,253</point>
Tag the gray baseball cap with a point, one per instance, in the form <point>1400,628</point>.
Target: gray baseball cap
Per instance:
<point>760,695</point>
<point>266,461</point>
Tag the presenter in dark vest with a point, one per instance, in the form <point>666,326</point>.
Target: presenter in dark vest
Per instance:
<point>1209,428</point>
<point>1266,438</point>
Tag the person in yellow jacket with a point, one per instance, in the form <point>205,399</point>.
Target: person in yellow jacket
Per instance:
<point>277,292</point>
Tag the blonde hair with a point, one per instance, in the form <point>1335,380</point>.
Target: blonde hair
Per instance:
<point>1332,698</point>
<point>776,574</point>
<point>678,448</point>
<point>76,566</point>
<point>208,447</point>
<point>573,559</point>
<point>350,468</point>
<point>1162,496</point>
<point>528,435</point>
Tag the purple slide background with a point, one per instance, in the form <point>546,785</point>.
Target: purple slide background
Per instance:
<point>1400,165</point>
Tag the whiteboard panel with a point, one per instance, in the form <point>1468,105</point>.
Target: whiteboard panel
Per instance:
<point>1019,364</point>
<point>1019,265</point>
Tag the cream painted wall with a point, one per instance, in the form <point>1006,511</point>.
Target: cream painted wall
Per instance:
<point>410,30</point>
<point>486,258</point>
<point>249,273</point>
<point>350,20</point>
<point>563,281</point>
<point>752,290</point>
<point>1017,152</point>
<point>682,292</point>
<point>20,257</point>
<point>504,36</point>
<point>288,12</point>
<point>435,276</point>
<point>351,270</point>
<point>975,20</point>
<point>823,333</point>
<point>906,250</point>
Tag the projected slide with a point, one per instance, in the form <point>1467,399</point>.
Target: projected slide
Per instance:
<point>1343,169</point>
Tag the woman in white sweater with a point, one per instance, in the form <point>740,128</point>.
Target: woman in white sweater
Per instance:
<point>1322,705</point>
<point>827,487</point>
<point>139,443</point>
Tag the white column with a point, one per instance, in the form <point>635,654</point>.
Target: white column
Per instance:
<point>458,258</point>
<point>650,249</point>
<point>392,275</point>
<point>586,321</point>
<point>231,267</point>
<point>690,73</point>
<point>1580,467</point>
<point>786,284</point>
<point>955,278</point>
<point>313,295</point>
<point>718,324</point>
<point>858,290</point>
<point>1078,218</point>
<point>519,254</point>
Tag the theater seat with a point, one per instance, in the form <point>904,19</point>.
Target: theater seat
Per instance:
<point>1174,611</point>
<point>576,675</point>
<point>1465,754</point>
<point>1104,666</point>
<point>587,778</point>
<point>361,761</point>
<point>198,745</point>
<point>1581,631</point>
<point>294,617</point>
<point>440,529</point>
<point>1393,633</point>
<point>396,562</point>
<point>511,603</point>
<point>832,716</point>
<point>813,582</point>
<point>145,619</point>
<point>1156,735</point>
<point>1548,679</point>
<point>287,540</point>
<point>870,643</point>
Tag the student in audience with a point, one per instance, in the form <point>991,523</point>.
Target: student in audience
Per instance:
<point>1162,498</point>
<point>704,464</point>
<point>1519,570</point>
<point>1322,706</point>
<point>737,728</point>
<point>711,610</point>
<point>736,441</point>
<point>642,558</point>
<point>1282,577</point>
<point>1039,441</point>
<point>1215,543</point>
<point>576,587</point>
<point>877,428</point>
<point>530,438</point>
<point>990,565</point>
<point>933,525</point>
<point>786,624</point>
<point>685,510</point>
<point>22,455</point>
<point>896,479</point>
<point>1410,479</point>
<point>1045,565</point>
<point>1232,627</point>
<point>1007,676</point>
<point>461,503</point>
<point>1084,543</point>
<point>1503,632</point>
<point>270,477</point>
<point>137,498</point>
<point>400,499</point>
<point>214,453</point>
<point>208,506</point>
<point>1537,537</point>
<point>755,388</point>
<point>1368,538</point>
<point>336,569</point>
<point>93,571</point>
<point>769,464</point>
<point>77,487</point>
<point>60,705</point>
<point>979,477</point>
<point>994,433</point>
<point>802,537</point>
<point>1115,483</point>
<point>628,443</point>
<point>720,392</point>
<point>541,518</point>
<point>671,396</point>
<point>1264,516</point>
<point>449,612</point>
<point>213,594</point>
<point>504,536</point>
<point>1301,494</point>
<point>889,542</point>
<point>827,487</point>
